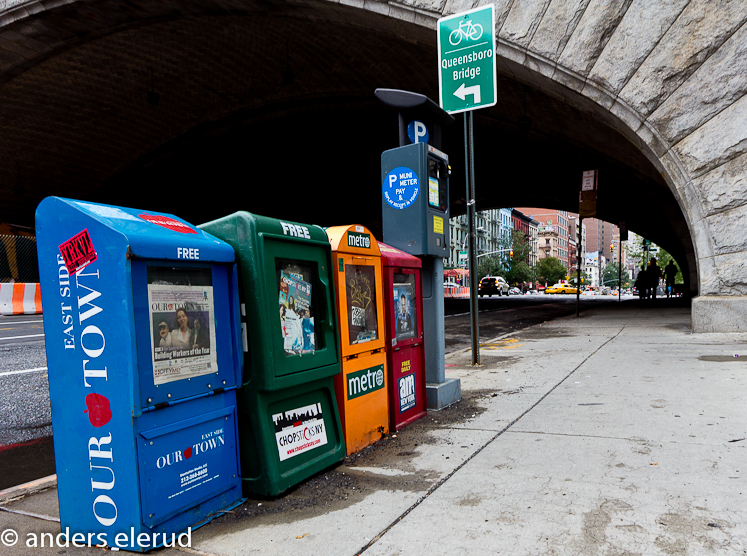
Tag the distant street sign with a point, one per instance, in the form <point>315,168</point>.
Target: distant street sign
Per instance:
<point>587,198</point>
<point>466,60</point>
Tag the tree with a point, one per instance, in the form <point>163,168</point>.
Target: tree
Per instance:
<point>510,262</point>
<point>516,266</point>
<point>585,278</point>
<point>637,252</point>
<point>610,273</point>
<point>489,266</point>
<point>663,261</point>
<point>550,270</point>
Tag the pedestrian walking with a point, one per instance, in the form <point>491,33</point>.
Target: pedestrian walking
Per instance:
<point>641,283</point>
<point>654,275</point>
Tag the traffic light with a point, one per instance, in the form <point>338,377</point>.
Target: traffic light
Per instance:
<point>511,253</point>
<point>612,247</point>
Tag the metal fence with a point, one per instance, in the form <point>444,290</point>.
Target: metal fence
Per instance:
<point>18,262</point>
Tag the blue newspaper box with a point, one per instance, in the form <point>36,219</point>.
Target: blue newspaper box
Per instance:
<point>142,331</point>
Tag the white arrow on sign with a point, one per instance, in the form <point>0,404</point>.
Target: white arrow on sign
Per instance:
<point>463,91</point>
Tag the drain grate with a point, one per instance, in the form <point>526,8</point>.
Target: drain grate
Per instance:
<point>723,358</point>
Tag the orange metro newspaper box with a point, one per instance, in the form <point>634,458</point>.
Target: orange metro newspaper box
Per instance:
<point>361,388</point>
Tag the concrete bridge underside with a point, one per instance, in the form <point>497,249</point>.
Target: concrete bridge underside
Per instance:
<point>202,107</point>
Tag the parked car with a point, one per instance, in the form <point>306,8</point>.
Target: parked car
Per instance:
<point>561,288</point>
<point>514,291</point>
<point>492,285</point>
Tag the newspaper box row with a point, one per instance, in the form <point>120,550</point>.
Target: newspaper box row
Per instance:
<point>189,366</point>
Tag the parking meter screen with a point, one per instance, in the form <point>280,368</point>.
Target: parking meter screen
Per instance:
<point>182,323</point>
<point>296,307</point>
<point>360,291</point>
<point>436,191</point>
<point>404,303</point>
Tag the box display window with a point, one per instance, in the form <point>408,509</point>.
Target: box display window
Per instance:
<point>182,323</point>
<point>360,291</point>
<point>296,306</point>
<point>437,174</point>
<point>405,308</point>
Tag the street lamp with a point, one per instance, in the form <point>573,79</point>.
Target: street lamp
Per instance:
<point>464,241</point>
<point>509,249</point>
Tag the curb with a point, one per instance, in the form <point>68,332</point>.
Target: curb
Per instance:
<point>27,488</point>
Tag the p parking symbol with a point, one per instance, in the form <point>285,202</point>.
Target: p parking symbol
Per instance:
<point>417,132</point>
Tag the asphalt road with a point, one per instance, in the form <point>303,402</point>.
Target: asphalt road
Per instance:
<point>26,451</point>
<point>25,414</point>
<point>500,315</point>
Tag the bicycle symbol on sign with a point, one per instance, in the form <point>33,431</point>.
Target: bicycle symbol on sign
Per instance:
<point>467,30</point>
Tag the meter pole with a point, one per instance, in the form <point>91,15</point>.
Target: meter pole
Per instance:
<point>619,270</point>
<point>469,162</point>
<point>578,263</point>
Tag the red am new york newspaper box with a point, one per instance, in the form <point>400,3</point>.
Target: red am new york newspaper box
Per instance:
<point>405,349</point>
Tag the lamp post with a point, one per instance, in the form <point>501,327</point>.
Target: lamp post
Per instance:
<point>464,241</point>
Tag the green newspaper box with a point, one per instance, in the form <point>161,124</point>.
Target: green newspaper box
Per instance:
<point>289,425</point>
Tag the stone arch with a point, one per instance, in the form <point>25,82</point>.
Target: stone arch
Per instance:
<point>666,75</point>
<point>670,77</point>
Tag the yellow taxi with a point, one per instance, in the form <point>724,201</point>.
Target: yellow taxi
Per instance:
<point>561,288</point>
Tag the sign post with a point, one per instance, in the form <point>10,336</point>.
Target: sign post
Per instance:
<point>466,82</point>
<point>587,208</point>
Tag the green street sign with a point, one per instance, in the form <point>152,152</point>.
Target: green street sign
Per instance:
<point>466,60</point>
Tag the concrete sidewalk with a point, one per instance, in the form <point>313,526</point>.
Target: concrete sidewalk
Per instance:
<point>618,432</point>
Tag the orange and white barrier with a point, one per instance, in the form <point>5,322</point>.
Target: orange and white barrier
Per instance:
<point>20,299</point>
<point>456,292</point>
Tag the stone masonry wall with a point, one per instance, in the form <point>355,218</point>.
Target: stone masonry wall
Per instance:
<point>669,74</point>
<point>674,74</point>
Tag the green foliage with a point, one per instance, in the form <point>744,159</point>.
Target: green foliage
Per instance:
<point>489,266</point>
<point>516,268</point>
<point>550,270</point>
<point>585,278</point>
<point>609,276</point>
<point>637,253</point>
<point>510,262</point>
<point>664,259</point>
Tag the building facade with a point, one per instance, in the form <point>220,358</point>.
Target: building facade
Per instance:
<point>490,226</point>
<point>601,236</point>
<point>560,219</point>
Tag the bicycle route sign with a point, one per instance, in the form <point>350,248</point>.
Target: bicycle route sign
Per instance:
<point>466,60</point>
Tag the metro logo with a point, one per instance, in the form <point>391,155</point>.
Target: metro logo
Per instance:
<point>359,240</point>
<point>366,381</point>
